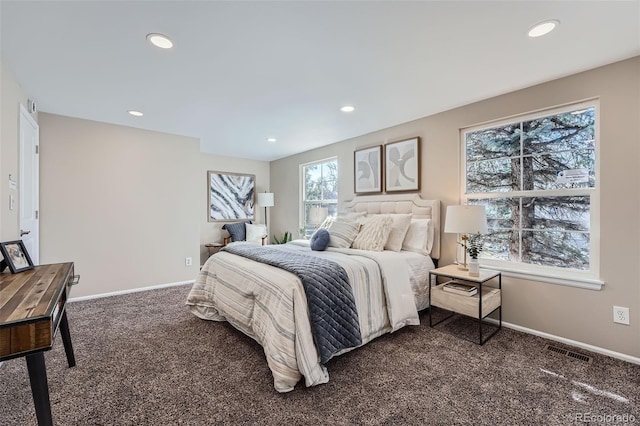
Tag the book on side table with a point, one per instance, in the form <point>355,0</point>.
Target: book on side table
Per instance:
<point>457,287</point>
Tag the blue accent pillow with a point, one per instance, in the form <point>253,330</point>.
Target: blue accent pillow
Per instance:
<point>237,231</point>
<point>320,240</point>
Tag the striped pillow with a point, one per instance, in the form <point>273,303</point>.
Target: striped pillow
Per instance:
<point>325,223</point>
<point>342,233</point>
<point>374,233</point>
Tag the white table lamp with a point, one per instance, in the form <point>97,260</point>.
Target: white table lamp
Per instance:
<point>465,219</point>
<point>317,215</point>
<point>265,199</point>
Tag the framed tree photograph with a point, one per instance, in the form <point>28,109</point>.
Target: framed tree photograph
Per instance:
<point>402,165</point>
<point>367,170</point>
<point>230,196</point>
<point>15,256</point>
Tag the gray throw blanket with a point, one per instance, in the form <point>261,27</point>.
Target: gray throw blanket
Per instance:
<point>332,308</point>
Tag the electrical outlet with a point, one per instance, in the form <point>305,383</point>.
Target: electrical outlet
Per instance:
<point>188,261</point>
<point>621,315</point>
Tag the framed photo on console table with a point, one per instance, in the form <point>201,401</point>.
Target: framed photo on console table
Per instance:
<point>15,256</point>
<point>402,165</point>
<point>230,196</point>
<point>367,170</point>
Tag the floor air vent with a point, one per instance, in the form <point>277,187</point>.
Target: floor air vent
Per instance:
<point>569,354</point>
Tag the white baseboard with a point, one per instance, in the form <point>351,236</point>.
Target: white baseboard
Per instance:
<point>570,342</point>
<point>133,290</point>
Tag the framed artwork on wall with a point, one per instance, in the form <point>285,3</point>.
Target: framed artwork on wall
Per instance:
<point>230,196</point>
<point>15,256</point>
<point>367,170</point>
<point>402,165</point>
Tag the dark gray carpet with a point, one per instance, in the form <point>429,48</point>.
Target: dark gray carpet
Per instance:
<point>143,359</point>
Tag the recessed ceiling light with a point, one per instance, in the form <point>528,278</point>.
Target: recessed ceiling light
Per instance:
<point>348,108</point>
<point>542,28</point>
<point>160,40</point>
<point>135,113</point>
<point>271,140</point>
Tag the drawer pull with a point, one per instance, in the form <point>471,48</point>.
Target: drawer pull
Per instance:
<point>75,279</point>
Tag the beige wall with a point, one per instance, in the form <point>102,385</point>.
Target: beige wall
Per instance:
<point>127,205</point>
<point>119,202</point>
<point>211,231</point>
<point>11,96</point>
<point>570,313</point>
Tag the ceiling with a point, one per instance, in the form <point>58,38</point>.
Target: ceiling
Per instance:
<point>241,72</point>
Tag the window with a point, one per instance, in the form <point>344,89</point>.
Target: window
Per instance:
<point>537,178</point>
<point>319,183</point>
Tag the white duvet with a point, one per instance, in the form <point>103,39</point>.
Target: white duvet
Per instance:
<point>269,304</point>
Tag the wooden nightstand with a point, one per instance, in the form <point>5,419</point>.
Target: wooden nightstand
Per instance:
<point>479,306</point>
<point>213,248</point>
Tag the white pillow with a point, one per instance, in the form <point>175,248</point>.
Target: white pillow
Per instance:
<point>341,234</point>
<point>374,233</point>
<point>399,227</point>
<point>419,236</point>
<point>255,233</point>
<point>430,236</point>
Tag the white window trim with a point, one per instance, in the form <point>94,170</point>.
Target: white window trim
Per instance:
<point>572,278</point>
<point>301,215</point>
<point>569,277</point>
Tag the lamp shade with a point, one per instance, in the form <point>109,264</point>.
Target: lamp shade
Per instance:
<point>466,219</point>
<point>317,215</point>
<point>265,199</point>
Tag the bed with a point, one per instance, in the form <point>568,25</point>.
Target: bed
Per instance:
<point>385,289</point>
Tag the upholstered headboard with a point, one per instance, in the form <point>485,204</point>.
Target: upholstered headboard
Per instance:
<point>401,203</point>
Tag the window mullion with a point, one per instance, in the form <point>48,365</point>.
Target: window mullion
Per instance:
<point>521,159</point>
<point>522,188</point>
<point>520,230</point>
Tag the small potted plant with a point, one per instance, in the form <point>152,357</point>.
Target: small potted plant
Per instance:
<point>284,240</point>
<point>475,245</point>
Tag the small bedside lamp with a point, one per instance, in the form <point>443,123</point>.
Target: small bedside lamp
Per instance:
<point>317,215</point>
<point>465,219</point>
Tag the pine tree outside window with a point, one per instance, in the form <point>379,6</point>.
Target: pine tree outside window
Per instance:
<point>319,183</point>
<point>537,176</point>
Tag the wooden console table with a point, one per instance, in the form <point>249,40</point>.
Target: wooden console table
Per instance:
<point>32,308</point>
